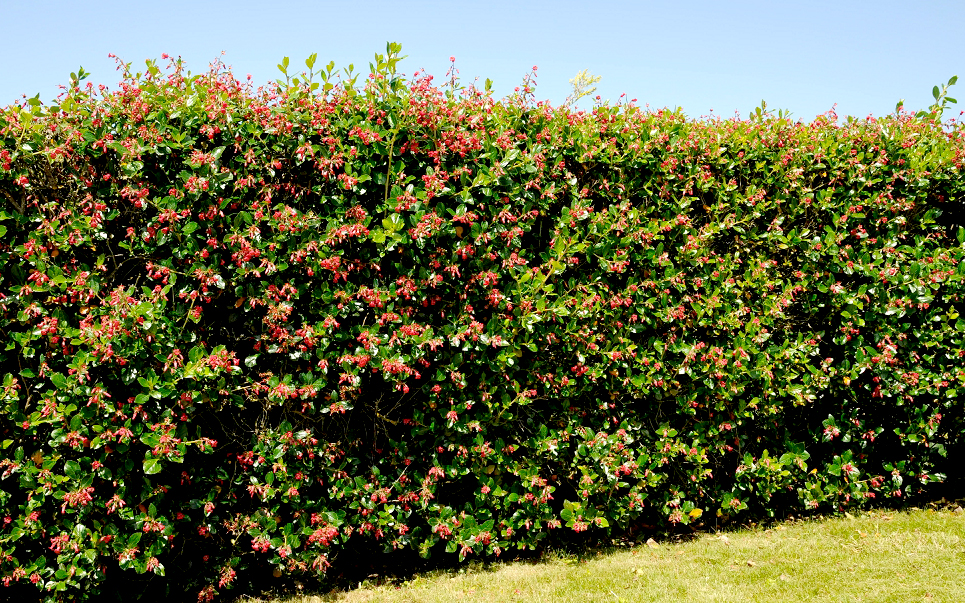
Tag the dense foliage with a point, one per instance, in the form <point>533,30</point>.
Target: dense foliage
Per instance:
<point>253,330</point>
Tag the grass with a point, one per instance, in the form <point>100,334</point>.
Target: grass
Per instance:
<point>917,555</point>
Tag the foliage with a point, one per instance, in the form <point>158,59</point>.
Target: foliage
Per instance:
<point>253,331</point>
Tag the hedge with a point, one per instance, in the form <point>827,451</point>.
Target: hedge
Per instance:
<point>284,330</point>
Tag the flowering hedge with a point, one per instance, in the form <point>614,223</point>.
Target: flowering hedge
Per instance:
<point>253,331</point>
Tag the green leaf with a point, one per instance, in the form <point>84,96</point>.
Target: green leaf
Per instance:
<point>59,381</point>
<point>152,466</point>
<point>510,156</point>
<point>72,469</point>
<point>935,92</point>
<point>393,223</point>
<point>560,246</point>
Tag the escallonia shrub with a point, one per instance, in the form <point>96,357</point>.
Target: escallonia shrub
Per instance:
<point>279,330</point>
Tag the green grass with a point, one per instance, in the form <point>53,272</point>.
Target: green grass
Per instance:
<point>918,555</point>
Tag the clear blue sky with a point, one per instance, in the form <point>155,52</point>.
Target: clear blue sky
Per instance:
<point>722,55</point>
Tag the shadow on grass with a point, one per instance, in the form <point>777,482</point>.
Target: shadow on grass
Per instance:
<point>573,554</point>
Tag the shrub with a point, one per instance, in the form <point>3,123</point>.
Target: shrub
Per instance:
<point>265,330</point>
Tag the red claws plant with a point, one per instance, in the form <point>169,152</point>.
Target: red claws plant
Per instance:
<point>246,330</point>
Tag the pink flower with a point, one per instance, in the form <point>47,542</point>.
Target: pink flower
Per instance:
<point>77,498</point>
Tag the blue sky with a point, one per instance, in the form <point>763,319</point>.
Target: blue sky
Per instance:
<point>724,56</point>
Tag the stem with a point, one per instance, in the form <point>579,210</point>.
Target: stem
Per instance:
<point>388,171</point>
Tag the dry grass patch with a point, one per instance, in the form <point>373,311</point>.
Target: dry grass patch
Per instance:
<point>881,556</point>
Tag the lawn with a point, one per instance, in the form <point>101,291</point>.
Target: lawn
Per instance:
<point>915,555</point>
